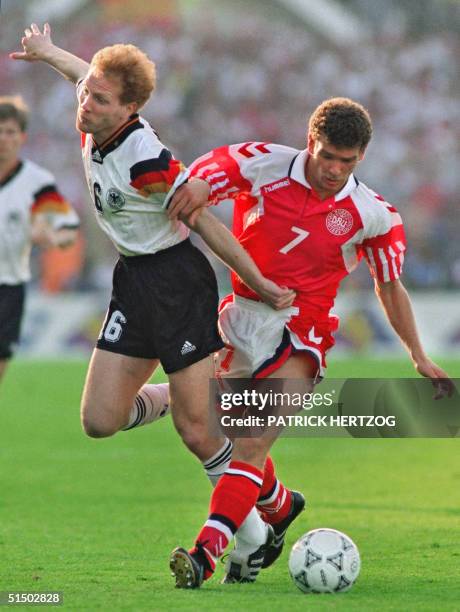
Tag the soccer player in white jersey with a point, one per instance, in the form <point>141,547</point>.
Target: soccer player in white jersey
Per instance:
<point>164,299</point>
<point>307,221</point>
<point>32,211</point>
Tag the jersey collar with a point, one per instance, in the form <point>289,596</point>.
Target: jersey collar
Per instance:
<point>117,138</point>
<point>297,169</point>
<point>9,177</point>
<point>297,173</point>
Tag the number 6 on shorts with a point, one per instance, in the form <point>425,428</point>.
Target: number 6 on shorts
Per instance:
<point>114,328</point>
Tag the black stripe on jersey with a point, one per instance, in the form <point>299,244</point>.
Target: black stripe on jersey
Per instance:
<point>119,140</point>
<point>156,164</point>
<point>292,163</point>
<point>46,189</point>
<point>224,520</point>
<point>356,181</point>
<point>11,176</point>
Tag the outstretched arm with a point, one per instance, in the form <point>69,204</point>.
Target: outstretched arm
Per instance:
<point>38,46</point>
<point>222,242</point>
<point>397,306</point>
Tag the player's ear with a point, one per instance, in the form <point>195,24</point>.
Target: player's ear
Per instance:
<point>361,154</point>
<point>310,144</point>
<point>132,107</point>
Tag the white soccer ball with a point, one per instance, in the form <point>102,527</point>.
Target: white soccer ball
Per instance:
<point>324,561</point>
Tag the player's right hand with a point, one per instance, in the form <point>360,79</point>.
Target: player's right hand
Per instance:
<point>35,44</point>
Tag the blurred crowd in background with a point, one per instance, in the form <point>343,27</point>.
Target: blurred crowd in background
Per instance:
<point>231,72</point>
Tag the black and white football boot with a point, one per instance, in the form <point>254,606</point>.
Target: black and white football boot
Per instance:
<point>244,566</point>
<point>187,568</point>
<point>274,550</point>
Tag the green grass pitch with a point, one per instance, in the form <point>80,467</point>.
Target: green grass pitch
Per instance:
<point>96,519</point>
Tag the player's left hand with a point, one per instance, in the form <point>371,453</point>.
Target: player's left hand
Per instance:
<point>275,296</point>
<point>440,380</point>
<point>189,200</point>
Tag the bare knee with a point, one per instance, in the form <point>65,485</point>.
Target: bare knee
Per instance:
<point>97,425</point>
<point>93,429</point>
<point>194,439</point>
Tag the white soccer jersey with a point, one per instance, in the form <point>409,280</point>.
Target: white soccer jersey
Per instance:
<point>129,176</point>
<point>28,191</point>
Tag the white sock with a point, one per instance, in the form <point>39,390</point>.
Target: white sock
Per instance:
<point>253,531</point>
<point>216,465</point>
<point>151,403</point>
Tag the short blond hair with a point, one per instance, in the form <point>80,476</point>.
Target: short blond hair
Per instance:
<point>132,67</point>
<point>14,107</point>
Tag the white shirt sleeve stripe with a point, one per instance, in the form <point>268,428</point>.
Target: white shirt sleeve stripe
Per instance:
<point>370,255</point>
<point>384,262</point>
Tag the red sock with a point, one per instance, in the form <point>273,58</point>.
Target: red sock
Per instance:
<point>274,500</point>
<point>232,499</point>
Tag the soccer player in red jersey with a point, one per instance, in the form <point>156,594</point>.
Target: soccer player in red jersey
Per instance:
<point>307,221</point>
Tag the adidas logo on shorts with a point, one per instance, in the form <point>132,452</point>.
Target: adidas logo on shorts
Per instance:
<point>187,348</point>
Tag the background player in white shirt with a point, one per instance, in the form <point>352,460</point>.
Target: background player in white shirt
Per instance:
<point>307,221</point>
<point>164,299</point>
<point>32,211</point>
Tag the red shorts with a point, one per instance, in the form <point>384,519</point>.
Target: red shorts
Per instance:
<point>258,339</point>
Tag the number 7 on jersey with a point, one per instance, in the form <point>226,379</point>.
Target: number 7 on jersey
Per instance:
<point>302,234</point>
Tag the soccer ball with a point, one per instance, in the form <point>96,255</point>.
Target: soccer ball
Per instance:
<point>324,561</point>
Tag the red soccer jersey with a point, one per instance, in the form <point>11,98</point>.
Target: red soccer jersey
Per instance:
<point>296,239</point>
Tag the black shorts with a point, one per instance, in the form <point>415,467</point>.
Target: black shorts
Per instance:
<point>163,306</point>
<point>11,311</point>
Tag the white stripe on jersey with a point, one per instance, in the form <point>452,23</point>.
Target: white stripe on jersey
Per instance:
<point>370,256</point>
<point>384,262</point>
<point>216,186</point>
<point>394,255</point>
<point>216,175</point>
